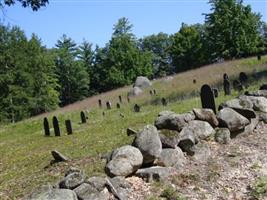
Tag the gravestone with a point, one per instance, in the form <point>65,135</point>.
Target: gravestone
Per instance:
<point>46,127</point>
<point>237,85</point>
<point>108,104</point>
<point>56,126</point>
<point>128,99</point>
<point>164,102</point>
<point>243,78</point>
<point>207,98</point>
<point>99,103</point>
<point>103,113</point>
<point>68,127</point>
<point>259,57</point>
<point>215,92</point>
<point>83,117</point>
<point>118,105</point>
<point>194,81</point>
<point>151,92</point>
<point>154,92</point>
<point>226,87</point>
<point>136,108</point>
<point>225,76</point>
<point>120,99</point>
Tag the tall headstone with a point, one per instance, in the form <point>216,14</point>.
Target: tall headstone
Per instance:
<point>128,99</point>
<point>154,92</point>
<point>237,85</point>
<point>108,105</point>
<point>215,92</point>
<point>68,127</point>
<point>151,92</point>
<point>46,127</point>
<point>99,103</point>
<point>118,105</point>
<point>259,57</point>
<point>83,117</point>
<point>56,126</point>
<point>226,87</point>
<point>207,98</point>
<point>225,76</point>
<point>164,102</point>
<point>243,78</point>
<point>120,99</point>
<point>194,81</point>
<point>137,108</point>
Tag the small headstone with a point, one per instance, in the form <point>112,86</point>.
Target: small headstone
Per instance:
<point>131,132</point>
<point>108,104</point>
<point>118,105</point>
<point>194,81</point>
<point>237,85</point>
<point>59,157</point>
<point>68,127</point>
<point>99,103</point>
<point>259,57</point>
<point>215,92</point>
<point>226,87</point>
<point>154,92</point>
<point>128,99</point>
<point>225,76</point>
<point>207,98</point>
<point>164,102</point>
<point>151,92</point>
<point>136,108</point>
<point>46,127</point>
<point>120,99</point>
<point>103,113</point>
<point>243,78</point>
<point>83,117</point>
<point>56,126</point>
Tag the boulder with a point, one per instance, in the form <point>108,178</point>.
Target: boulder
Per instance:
<point>168,142</point>
<point>172,121</point>
<point>222,135</point>
<point>97,182</point>
<point>201,129</point>
<point>142,82</point>
<point>228,118</point>
<point>119,187</point>
<point>148,142</point>
<point>48,193</point>
<point>172,158</point>
<point>58,157</point>
<point>156,173</point>
<point>73,170</point>
<point>72,180</point>
<point>259,93</point>
<point>87,192</point>
<point>262,116</point>
<point>124,161</point>
<point>187,140</point>
<point>135,91</point>
<point>259,103</point>
<point>206,115</point>
<point>242,103</point>
<point>201,152</point>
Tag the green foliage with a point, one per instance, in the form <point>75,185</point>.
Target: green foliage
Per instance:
<point>259,188</point>
<point>171,194</point>
<point>233,29</point>
<point>34,4</point>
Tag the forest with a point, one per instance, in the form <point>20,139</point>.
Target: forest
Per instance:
<point>35,79</point>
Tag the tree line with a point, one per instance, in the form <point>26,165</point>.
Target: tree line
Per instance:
<point>35,79</point>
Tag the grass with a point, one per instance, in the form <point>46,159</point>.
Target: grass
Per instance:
<point>259,188</point>
<point>25,151</point>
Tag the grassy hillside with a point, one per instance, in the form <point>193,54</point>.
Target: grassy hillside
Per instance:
<point>25,152</point>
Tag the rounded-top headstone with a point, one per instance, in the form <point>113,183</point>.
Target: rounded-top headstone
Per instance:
<point>207,98</point>
<point>46,127</point>
<point>56,126</point>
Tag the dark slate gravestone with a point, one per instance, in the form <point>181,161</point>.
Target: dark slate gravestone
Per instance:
<point>83,117</point>
<point>194,81</point>
<point>136,108</point>
<point>56,126</point>
<point>164,102</point>
<point>108,104</point>
<point>207,98</point>
<point>237,85</point>
<point>151,92</point>
<point>128,99</point>
<point>215,92</point>
<point>118,105</point>
<point>259,57</point>
<point>120,99</point>
<point>154,92</point>
<point>225,76</point>
<point>263,87</point>
<point>226,87</point>
<point>103,113</point>
<point>46,127</point>
<point>243,78</point>
<point>99,103</point>
<point>68,127</point>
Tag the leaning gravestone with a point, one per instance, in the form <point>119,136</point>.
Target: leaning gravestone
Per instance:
<point>215,92</point>
<point>136,108</point>
<point>46,127</point>
<point>164,102</point>
<point>108,104</point>
<point>83,117</point>
<point>207,98</point>
<point>226,87</point>
<point>243,78</point>
<point>118,105</point>
<point>68,127</point>
<point>56,126</point>
<point>120,99</point>
<point>99,103</point>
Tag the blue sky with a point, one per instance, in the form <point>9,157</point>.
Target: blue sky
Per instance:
<point>93,20</point>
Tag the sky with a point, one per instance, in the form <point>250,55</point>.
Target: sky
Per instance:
<point>93,20</point>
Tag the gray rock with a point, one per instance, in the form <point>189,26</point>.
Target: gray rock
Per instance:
<point>250,128</point>
<point>131,132</point>
<point>73,170</point>
<point>222,135</point>
<point>242,103</point>
<point>259,93</point>
<point>232,120</point>
<point>120,187</point>
<point>172,158</point>
<point>168,142</point>
<point>206,115</point>
<point>88,192</point>
<point>59,157</point>
<point>72,180</point>
<point>135,91</point>
<point>262,116</point>
<point>259,103</point>
<point>124,161</point>
<point>201,152</point>
<point>97,182</point>
<point>201,129</point>
<point>156,173</point>
<point>142,82</point>
<point>172,121</point>
<point>48,193</point>
<point>187,140</point>
<point>148,142</point>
